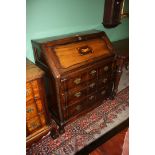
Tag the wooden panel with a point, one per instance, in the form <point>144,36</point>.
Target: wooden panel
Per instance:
<point>68,55</point>
<point>105,69</point>
<point>92,86</point>
<point>92,73</point>
<point>76,79</point>
<point>29,91</point>
<point>33,124</point>
<point>43,119</point>
<point>39,105</point>
<point>104,81</point>
<point>76,109</point>
<point>35,86</point>
<point>102,93</point>
<point>91,99</point>
<point>31,109</point>
<point>77,95</point>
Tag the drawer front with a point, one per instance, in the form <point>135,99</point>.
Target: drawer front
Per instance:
<point>73,80</point>
<point>39,104</point>
<point>105,70</point>
<point>43,119</point>
<point>77,95</point>
<point>31,109</point>
<point>77,108</point>
<point>91,98</point>
<point>32,90</point>
<point>89,85</point>
<point>92,73</point>
<point>77,79</point>
<point>35,85</point>
<point>36,123</point>
<point>105,80</point>
<point>82,105</point>
<point>102,93</point>
<point>29,91</point>
<point>92,86</point>
<point>33,124</point>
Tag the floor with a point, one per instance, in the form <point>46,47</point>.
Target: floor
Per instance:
<point>112,147</point>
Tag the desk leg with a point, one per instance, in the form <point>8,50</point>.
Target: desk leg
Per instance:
<point>54,133</point>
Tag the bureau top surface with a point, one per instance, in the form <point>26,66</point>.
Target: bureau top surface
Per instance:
<point>32,71</point>
<point>76,53</point>
<point>69,52</point>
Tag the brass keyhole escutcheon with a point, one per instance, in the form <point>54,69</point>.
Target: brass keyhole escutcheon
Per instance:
<point>103,92</point>
<point>78,94</point>
<point>106,68</point>
<point>93,72</point>
<point>91,97</point>
<point>29,110</point>
<point>77,81</point>
<point>105,80</point>
<point>92,85</point>
<point>34,125</point>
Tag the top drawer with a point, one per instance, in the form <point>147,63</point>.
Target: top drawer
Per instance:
<point>79,79</point>
<point>74,80</point>
<point>75,53</point>
<point>32,90</point>
<point>104,70</point>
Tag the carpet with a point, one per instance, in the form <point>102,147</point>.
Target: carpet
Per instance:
<point>86,129</point>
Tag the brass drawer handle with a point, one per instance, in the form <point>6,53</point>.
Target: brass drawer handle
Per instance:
<point>91,97</point>
<point>93,72</point>
<point>78,107</point>
<point>105,80</point>
<point>29,110</point>
<point>106,68</point>
<point>92,85</point>
<point>78,94</point>
<point>77,80</point>
<point>103,92</point>
<point>28,92</point>
<point>34,125</point>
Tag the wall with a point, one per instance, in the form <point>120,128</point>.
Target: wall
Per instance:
<point>46,18</point>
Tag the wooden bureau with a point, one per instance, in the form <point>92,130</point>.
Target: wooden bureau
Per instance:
<point>37,116</point>
<point>79,72</point>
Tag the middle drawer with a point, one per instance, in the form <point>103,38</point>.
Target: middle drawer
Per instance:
<point>76,95</point>
<point>79,78</point>
<point>33,107</point>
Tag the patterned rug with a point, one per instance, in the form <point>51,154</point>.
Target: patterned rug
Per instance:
<point>86,129</point>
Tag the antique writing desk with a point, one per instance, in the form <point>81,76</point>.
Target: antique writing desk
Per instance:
<point>79,72</point>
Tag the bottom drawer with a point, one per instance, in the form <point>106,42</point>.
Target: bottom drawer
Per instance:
<point>88,102</point>
<point>77,108</point>
<point>102,93</point>
<point>82,105</point>
<point>35,123</point>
